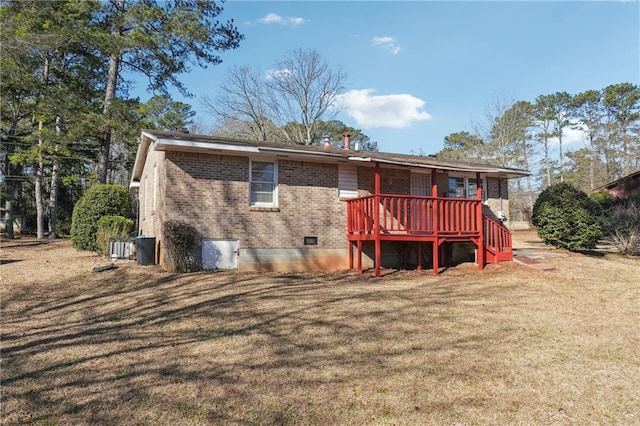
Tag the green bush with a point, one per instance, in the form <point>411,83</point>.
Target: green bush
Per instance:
<point>111,227</point>
<point>566,217</point>
<point>180,239</point>
<point>98,201</point>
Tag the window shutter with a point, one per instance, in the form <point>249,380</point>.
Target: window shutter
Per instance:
<point>347,181</point>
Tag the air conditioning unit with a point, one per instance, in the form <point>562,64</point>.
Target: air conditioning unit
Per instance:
<point>122,248</point>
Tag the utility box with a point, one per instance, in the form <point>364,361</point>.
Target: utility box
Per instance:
<point>146,250</point>
<point>220,254</point>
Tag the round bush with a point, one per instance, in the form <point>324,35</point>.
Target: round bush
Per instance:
<point>98,201</point>
<point>566,217</point>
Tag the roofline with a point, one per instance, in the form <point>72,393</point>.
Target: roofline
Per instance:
<point>169,141</point>
<point>616,182</point>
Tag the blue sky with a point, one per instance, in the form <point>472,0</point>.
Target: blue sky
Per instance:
<point>420,70</point>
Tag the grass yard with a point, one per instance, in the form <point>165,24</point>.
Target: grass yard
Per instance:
<point>509,345</point>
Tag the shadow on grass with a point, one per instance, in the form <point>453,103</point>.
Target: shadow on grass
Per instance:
<point>68,354</point>
<point>591,253</point>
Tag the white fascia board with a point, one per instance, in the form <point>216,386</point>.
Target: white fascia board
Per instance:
<point>141,157</point>
<point>162,144</point>
<point>295,153</point>
<point>464,169</point>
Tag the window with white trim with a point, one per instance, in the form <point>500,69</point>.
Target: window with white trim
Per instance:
<point>465,187</point>
<point>263,183</point>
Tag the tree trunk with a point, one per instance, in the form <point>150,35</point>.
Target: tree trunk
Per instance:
<point>8,215</point>
<point>38,189</point>
<point>53,200</point>
<point>105,138</point>
<point>561,156</point>
<point>11,187</point>
<point>40,166</point>
<point>546,162</point>
<point>53,195</point>
<point>592,163</point>
<point>109,96</point>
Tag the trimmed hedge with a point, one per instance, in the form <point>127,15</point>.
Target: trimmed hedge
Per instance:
<point>111,227</point>
<point>98,201</point>
<point>566,217</point>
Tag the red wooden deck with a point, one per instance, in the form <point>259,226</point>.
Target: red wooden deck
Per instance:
<point>393,217</point>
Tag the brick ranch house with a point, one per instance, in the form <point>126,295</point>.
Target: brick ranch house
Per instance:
<point>266,206</point>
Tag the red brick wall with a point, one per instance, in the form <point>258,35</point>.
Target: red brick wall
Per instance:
<point>211,192</point>
<point>392,181</point>
<point>497,197</point>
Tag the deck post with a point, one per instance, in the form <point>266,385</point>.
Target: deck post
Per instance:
<point>351,246</point>
<point>419,251</point>
<point>376,218</point>
<point>480,225</point>
<point>436,257</point>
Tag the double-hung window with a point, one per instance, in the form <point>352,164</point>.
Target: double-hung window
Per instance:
<point>263,183</point>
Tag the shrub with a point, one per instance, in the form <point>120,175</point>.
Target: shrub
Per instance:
<point>622,224</point>
<point>111,227</point>
<point>98,201</point>
<point>180,239</point>
<point>566,217</point>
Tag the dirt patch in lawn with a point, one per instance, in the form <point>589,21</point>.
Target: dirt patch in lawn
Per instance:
<point>136,345</point>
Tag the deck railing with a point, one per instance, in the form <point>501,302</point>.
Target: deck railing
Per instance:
<point>497,240</point>
<point>414,215</point>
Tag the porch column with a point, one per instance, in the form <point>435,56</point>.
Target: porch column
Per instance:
<point>376,218</point>
<point>480,219</point>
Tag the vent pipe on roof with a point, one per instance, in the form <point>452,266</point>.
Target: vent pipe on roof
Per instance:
<point>346,141</point>
<point>327,142</point>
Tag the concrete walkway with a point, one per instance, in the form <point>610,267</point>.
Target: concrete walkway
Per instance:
<point>529,249</point>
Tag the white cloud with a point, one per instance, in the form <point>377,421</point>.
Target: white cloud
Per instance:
<point>573,136</point>
<point>387,43</point>
<point>281,73</point>
<point>370,110</point>
<point>274,18</point>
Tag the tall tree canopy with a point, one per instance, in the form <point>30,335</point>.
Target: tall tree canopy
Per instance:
<point>158,39</point>
<point>65,70</point>
<point>534,136</point>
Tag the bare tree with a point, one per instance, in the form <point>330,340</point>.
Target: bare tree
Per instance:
<point>304,89</point>
<point>292,99</point>
<point>241,106</point>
